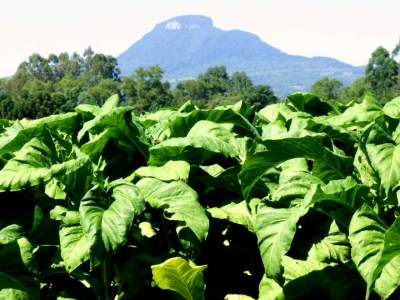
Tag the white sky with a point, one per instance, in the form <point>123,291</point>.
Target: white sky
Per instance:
<point>348,30</point>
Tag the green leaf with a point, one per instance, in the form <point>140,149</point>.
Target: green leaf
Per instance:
<point>359,114</point>
<point>17,269</point>
<point>385,159</point>
<point>170,171</point>
<point>269,289</point>
<point>10,233</point>
<point>275,229</point>
<point>179,202</point>
<point>296,145</point>
<point>334,248</point>
<point>203,139</point>
<point>294,181</point>
<point>296,268</point>
<point>238,213</point>
<point>107,115</point>
<point>176,274</point>
<point>309,103</point>
<point>74,245</point>
<point>375,251</point>
<point>392,108</point>
<point>363,166</point>
<point>116,125</point>
<point>37,162</point>
<point>168,124</point>
<point>106,216</point>
<point>21,132</point>
<point>55,189</point>
<point>305,279</point>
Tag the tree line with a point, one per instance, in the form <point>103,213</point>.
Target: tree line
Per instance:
<point>382,79</point>
<point>44,86</point>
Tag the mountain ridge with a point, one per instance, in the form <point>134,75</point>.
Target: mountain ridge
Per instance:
<point>185,46</point>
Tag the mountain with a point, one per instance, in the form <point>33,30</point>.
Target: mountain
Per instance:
<point>185,46</point>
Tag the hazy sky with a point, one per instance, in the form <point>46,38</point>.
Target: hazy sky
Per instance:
<point>348,30</point>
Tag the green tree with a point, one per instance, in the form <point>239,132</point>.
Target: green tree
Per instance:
<point>381,73</point>
<point>355,91</point>
<point>6,103</point>
<point>35,100</point>
<point>146,91</point>
<point>216,80</point>
<point>260,96</point>
<point>327,89</point>
<point>240,83</point>
<point>100,66</point>
<point>192,90</point>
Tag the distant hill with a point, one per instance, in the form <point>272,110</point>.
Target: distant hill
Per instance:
<point>185,46</point>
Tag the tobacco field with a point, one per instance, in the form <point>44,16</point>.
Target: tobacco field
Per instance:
<point>299,200</point>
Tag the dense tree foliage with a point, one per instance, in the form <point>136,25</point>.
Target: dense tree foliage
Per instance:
<point>382,79</point>
<point>327,89</point>
<point>44,86</point>
<point>382,73</point>
<point>146,91</point>
<point>216,87</point>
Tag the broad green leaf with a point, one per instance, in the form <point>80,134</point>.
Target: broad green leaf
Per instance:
<point>59,213</point>
<point>302,144</point>
<point>334,248</point>
<point>10,233</point>
<point>116,125</point>
<point>106,216</point>
<point>358,115</point>
<point>88,110</point>
<point>367,174</point>
<point>238,213</point>
<point>37,162</point>
<point>387,272</point>
<point>375,251</point>
<point>275,229</point>
<point>98,142</point>
<point>180,276</point>
<point>179,202</point>
<point>205,136</point>
<point>213,170</point>
<point>17,269</point>
<point>309,103</point>
<point>21,132</point>
<point>55,189</point>
<point>172,170</point>
<point>278,111</point>
<point>273,129</point>
<point>169,124</point>
<point>109,114</point>
<point>392,108</point>
<point>295,268</point>
<point>305,280</point>
<point>74,246</point>
<point>294,180</point>
<point>385,159</point>
<point>269,289</point>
